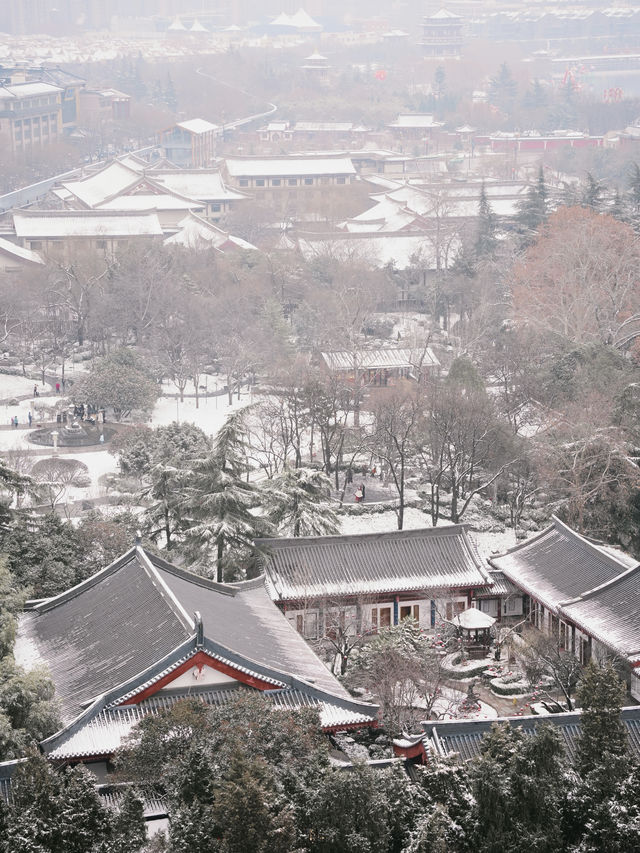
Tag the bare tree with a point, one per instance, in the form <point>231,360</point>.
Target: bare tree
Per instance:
<point>548,666</point>
<point>396,418</point>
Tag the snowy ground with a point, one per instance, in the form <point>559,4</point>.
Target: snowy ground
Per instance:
<point>15,386</point>
<point>209,416</point>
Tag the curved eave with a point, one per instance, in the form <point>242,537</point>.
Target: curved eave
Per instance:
<point>125,692</point>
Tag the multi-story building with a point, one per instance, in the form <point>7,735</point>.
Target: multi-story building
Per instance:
<point>442,34</point>
<point>191,143</point>
<point>30,116</point>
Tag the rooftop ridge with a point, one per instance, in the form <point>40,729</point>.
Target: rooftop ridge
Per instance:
<point>585,543</point>
<point>292,541</point>
<point>153,573</point>
<point>43,605</point>
<point>185,574</point>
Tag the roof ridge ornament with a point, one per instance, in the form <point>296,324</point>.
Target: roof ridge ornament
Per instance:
<point>197,618</point>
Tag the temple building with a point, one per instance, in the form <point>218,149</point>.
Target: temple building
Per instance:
<point>141,634</point>
<point>442,34</point>
<point>373,580</point>
<point>582,592</point>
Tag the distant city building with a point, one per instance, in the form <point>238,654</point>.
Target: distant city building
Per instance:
<point>30,116</point>
<point>191,143</point>
<point>284,173</point>
<point>442,34</point>
<point>103,105</point>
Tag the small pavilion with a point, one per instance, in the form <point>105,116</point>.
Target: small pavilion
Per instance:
<point>474,627</point>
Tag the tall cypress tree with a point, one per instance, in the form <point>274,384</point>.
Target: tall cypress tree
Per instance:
<point>603,737</point>
<point>532,210</point>
<point>486,240</point>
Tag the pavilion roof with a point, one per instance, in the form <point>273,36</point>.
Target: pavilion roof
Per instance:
<point>380,358</point>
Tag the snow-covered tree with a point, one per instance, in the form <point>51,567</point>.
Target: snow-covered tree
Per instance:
<point>297,502</point>
<point>218,503</point>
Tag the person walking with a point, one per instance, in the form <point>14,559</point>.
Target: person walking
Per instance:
<point>15,421</point>
<point>35,391</point>
<point>363,490</point>
<point>30,417</point>
<point>57,387</point>
<point>358,495</point>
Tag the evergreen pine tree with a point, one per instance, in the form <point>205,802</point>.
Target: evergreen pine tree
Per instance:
<point>503,89</point>
<point>486,240</point>
<point>532,210</point>
<point>218,503</point>
<point>192,784</point>
<point>35,816</point>
<point>129,830</point>
<point>170,98</point>
<point>83,818</point>
<point>618,208</point>
<point>603,738</point>
<point>592,193</point>
<point>298,501</point>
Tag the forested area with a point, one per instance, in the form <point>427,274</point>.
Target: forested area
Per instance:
<point>244,779</point>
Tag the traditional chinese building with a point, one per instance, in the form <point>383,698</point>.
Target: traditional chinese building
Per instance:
<point>442,34</point>
<point>141,635</point>
<point>382,366</point>
<point>446,738</point>
<point>580,591</point>
<point>373,580</point>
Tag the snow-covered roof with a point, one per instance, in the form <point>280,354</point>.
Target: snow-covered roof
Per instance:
<point>18,252</point>
<point>382,358</point>
<point>176,26</point>
<point>110,181</point>
<point>29,90</point>
<point>43,224</point>
<point>416,120</point>
<point>201,184</point>
<point>106,732</point>
<point>197,125</point>
<point>303,20</point>
<point>465,737</point>
<point>406,560</point>
<point>196,27</point>
<point>473,619</point>
<point>290,167</point>
<point>559,566</point>
<point>150,201</point>
<point>443,15</point>
<point>197,233</point>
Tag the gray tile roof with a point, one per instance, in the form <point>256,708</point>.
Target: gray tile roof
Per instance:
<point>611,614</point>
<point>465,736</point>
<point>407,560</point>
<point>128,626</point>
<point>559,565</point>
<point>244,619</point>
<point>498,585</point>
<point>103,733</point>
<point>103,632</point>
